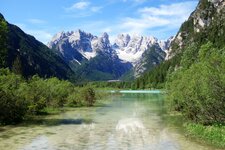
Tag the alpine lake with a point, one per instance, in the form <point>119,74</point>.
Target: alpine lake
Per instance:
<point>128,120</point>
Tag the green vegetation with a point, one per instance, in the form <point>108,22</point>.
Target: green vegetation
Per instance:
<point>185,55</point>
<point>3,41</point>
<point>82,97</point>
<point>21,98</point>
<point>24,55</point>
<point>198,90</point>
<point>100,68</point>
<point>212,134</point>
<point>157,76</point>
<point>111,85</point>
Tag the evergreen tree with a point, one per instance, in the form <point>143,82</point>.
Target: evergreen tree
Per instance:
<point>3,42</point>
<point>17,66</point>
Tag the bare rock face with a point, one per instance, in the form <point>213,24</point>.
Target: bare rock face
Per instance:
<point>130,48</point>
<point>208,15</point>
<point>143,52</point>
<point>78,46</point>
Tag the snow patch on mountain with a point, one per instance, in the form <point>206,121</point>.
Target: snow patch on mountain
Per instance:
<point>131,48</point>
<point>80,42</point>
<point>76,46</point>
<point>89,55</point>
<point>129,57</point>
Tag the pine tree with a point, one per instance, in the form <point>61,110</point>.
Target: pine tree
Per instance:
<point>17,66</point>
<point>3,42</point>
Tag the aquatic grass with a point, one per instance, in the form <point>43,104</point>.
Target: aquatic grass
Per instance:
<point>4,136</point>
<point>174,119</point>
<point>214,134</point>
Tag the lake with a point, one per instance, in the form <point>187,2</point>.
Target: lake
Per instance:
<point>130,120</point>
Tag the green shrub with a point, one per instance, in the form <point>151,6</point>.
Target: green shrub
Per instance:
<point>12,108</point>
<point>3,42</point>
<point>19,97</point>
<point>75,100</point>
<point>89,96</point>
<point>199,91</point>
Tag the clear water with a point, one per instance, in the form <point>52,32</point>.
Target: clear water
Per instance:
<point>128,122</point>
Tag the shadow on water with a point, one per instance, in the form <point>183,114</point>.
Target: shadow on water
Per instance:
<point>2,129</point>
<point>57,122</point>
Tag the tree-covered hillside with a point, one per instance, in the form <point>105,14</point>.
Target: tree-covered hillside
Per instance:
<point>188,41</point>
<point>23,54</point>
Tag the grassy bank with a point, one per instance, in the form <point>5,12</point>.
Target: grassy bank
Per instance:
<point>213,134</point>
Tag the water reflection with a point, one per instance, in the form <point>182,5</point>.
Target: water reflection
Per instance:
<point>130,121</point>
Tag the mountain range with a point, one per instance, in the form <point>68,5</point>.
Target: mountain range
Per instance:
<point>82,56</point>
<point>131,55</point>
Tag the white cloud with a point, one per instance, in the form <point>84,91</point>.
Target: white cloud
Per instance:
<point>82,9</point>
<point>80,5</point>
<point>177,9</point>
<point>165,16</point>
<point>161,21</point>
<point>36,21</point>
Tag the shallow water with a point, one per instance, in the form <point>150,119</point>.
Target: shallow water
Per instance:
<point>129,121</point>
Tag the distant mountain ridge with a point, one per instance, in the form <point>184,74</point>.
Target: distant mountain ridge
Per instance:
<point>80,55</point>
<point>129,52</point>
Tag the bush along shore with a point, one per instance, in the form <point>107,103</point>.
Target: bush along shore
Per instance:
<point>197,90</point>
<point>213,134</point>
<point>21,99</point>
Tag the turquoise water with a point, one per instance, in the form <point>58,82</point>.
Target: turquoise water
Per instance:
<point>140,91</point>
<point>129,121</point>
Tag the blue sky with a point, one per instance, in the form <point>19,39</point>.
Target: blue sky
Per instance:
<point>45,18</point>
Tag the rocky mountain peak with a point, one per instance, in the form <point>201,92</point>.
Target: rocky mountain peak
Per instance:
<point>105,35</point>
<point>131,48</point>
<point>105,38</point>
<point>217,3</point>
<point>164,44</point>
<point>56,38</point>
<point>76,46</point>
<point>206,22</point>
<point>205,13</point>
<point>79,36</point>
<point>101,43</point>
<point>122,40</point>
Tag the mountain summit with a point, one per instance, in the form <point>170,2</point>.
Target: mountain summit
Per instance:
<point>78,48</point>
